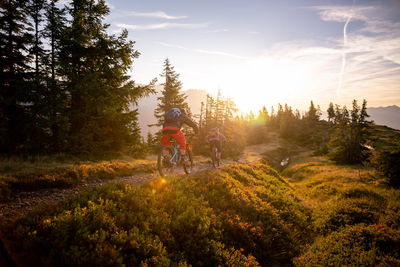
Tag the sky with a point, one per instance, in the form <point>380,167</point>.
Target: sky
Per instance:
<point>261,52</point>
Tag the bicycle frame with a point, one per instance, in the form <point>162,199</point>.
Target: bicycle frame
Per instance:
<point>175,158</point>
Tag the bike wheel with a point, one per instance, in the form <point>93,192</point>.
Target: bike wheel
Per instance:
<point>164,163</point>
<point>188,167</point>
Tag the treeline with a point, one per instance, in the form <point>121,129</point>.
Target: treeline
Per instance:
<point>221,112</point>
<point>64,85</point>
<point>346,136</point>
<point>343,135</point>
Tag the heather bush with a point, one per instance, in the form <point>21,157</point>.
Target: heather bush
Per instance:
<point>354,245</point>
<point>238,215</point>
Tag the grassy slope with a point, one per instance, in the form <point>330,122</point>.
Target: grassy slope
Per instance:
<point>355,216</point>
<point>241,215</point>
<point>321,214</point>
<point>385,138</point>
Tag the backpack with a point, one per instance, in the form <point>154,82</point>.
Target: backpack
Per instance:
<point>172,115</point>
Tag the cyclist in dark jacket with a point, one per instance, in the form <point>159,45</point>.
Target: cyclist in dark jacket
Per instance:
<point>214,138</point>
<point>173,121</point>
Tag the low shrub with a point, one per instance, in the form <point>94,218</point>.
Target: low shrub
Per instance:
<point>68,177</point>
<point>238,215</point>
<point>338,213</point>
<point>388,164</point>
<point>354,245</point>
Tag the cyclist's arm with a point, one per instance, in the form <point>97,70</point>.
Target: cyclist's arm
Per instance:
<point>190,123</point>
<point>222,136</point>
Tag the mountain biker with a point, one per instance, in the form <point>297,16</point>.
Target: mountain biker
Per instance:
<point>173,120</point>
<point>214,138</point>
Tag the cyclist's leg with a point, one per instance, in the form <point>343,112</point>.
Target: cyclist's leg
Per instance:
<point>218,144</point>
<point>165,141</point>
<point>181,140</point>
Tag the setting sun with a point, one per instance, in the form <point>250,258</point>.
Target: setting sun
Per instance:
<point>269,80</point>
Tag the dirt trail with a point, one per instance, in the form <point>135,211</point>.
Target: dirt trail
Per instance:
<point>23,202</point>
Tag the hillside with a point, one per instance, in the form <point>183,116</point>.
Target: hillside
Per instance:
<point>314,212</point>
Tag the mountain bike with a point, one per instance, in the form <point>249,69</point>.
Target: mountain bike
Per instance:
<point>214,152</point>
<point>169,157</point>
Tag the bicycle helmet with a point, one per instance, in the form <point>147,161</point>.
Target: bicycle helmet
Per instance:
<point>172,115</point>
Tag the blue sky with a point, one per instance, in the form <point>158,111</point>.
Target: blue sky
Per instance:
<point>263,52</point>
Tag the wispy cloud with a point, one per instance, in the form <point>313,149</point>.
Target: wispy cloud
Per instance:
<point>197,50</point>
<point>344,52</point>
<point>162,26</point>
<point>371,53</point>
<point>217,31</point>
<point>156,14</point>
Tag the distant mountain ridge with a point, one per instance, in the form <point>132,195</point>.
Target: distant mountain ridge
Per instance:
<point>148,105</point>
<point>389,116</point>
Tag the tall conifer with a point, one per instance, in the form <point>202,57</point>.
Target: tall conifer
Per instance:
<point>15,37</point>
<point>171,95</point>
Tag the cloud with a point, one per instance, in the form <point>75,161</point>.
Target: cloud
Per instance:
<point>197,50</point>
<point>162,26</point>
<point>156,14</point>
<point>217,31</point>
<point>372,51</point>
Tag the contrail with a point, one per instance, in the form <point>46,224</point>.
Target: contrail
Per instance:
<point>339,88</point>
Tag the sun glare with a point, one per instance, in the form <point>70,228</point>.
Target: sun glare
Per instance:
<point>267,81</point>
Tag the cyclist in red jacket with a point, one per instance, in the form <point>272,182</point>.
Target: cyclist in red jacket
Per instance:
<point>173,121</point>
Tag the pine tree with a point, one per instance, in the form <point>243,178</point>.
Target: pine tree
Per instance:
<point>171,97</point>
<point>313,114</point>
<point>56,95</point>
<point>39,100</point>
<point>350,135</point>
<point>95,65</point>
<point>287,123</point>
<point>15,36</point>
<point>331,112</point>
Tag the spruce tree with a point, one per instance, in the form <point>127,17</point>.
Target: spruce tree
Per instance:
<point>331,112</point>
<point>95,65</point>
<point>171,97</point>
<point>15,97</point>
<point>56,95</point>
<point>38,87</point>
<point>350,136</point>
